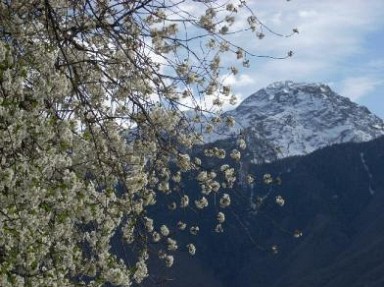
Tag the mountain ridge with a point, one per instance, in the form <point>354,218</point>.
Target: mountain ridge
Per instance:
<point>288,118</point>
<point>333,197</point>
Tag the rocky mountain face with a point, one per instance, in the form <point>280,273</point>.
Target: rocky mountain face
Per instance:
<point>287,119</point>
<point>326,158</point>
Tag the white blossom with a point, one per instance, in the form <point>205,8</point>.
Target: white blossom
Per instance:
<point>91,122</point>
<point>177,177</point>
<point>156,237</point>
<point>242,144</point>
<point>184,201</point>
<point>184,162</point>
<point>280,200</point>
<point>141,271</point>
<point>219,228</point>
<point>297,233</point>
<point>267,178</point>
<point>224,167</point>
<point>128,233</point>
<point>197,161</point>
<point>172,244</point>
<point>169,260</point>
<point>220,217</point>
<point>225,200</point>
<point>203,176</point>
<point>148,224</point>
<point>194,230</point>
<point>191,249</point>
<point>235,154</point>
<point>250,179</point>
<point>201,203</point>
<point>164,230</point>
<point>181,225</point>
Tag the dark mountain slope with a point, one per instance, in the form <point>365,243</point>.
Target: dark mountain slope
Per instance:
<point>335,196</point>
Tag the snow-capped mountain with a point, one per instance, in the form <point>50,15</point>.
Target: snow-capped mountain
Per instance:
<point>286,119</point>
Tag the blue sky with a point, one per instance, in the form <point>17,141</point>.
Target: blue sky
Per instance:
<point>341,43</point>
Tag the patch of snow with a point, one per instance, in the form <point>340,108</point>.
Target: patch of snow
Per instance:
<point>296,119</point>
<point>371,191</point>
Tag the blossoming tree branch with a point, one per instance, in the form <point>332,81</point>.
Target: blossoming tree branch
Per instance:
<point>93,96</point>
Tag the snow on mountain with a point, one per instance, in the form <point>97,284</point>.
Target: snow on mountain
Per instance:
<point>286,119</point>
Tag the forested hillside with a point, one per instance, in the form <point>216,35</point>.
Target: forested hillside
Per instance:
<point>334,197</point>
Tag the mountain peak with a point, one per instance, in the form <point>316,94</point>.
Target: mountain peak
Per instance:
<point>291,84</point>
<point>298,118</point>
<point>289,93</point>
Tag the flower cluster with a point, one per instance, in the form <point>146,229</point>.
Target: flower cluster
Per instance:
<point>92,133</point>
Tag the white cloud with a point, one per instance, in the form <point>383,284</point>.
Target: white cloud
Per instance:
<point>358,87</point>
<point>238,81</point>
<point>332,28</point>
<point>332,45</point>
